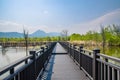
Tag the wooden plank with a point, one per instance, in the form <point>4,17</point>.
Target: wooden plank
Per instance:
<point>65,69</point>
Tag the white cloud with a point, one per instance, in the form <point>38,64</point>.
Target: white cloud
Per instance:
<point>55,28</point>
<point>107,19</point>
<point>7,26</point>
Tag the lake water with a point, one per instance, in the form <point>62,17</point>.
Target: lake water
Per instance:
<point>11,54</point>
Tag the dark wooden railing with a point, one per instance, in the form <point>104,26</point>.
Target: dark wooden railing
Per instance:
<point>29,67</point>
<point>97,66</point>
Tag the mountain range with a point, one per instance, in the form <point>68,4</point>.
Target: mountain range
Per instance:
<point>38,33</point>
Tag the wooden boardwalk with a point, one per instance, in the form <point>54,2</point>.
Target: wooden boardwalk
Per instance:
<point>64,68</point>
<point>59,49</point>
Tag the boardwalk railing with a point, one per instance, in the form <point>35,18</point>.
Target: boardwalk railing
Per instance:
<point>97,66</point>
<point>29,67</point>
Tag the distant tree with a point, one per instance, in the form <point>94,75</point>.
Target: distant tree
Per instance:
<point>116,29</point>
<point>59,39</point>
<point>3,40</point>
<point>64,35</point>
<point>89,35</point>
<point>75,36</point>
<point>96,37</point>
<point>103,37</point>
<point>25,34</point>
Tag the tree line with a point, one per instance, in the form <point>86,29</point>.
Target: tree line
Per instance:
<point>108,35</point>
<point>30,39</point>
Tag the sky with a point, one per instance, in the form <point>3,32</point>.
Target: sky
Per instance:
<point>76,16</point>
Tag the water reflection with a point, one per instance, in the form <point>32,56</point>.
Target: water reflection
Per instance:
<point>11,54</point>
<point>4,50</point>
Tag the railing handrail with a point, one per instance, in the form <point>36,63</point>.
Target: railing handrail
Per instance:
<point>34,64</point>
<point>96,65</point>
<point>109,64</point>
<point>109,57</point>
<point>38,51</point>
<point>17,62</point>
<point>14,64</point>
<point>102,55</point>
<point>87,50</point>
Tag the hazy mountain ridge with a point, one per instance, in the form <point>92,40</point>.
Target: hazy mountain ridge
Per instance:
<point>38,33</point>
<point>11,34</point>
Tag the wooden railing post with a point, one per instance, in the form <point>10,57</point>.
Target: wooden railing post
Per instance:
<point>43,50</point>
<point>69,49</point>
<point>95,64</point>
<point>34,62</point>
<point>46,47</point>
<point>80,57</point>
<point>11,72</point>
<point>73,52</point>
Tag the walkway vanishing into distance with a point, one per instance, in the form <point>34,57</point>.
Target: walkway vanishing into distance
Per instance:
<point>53,62</point>
<point>62,67</point>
